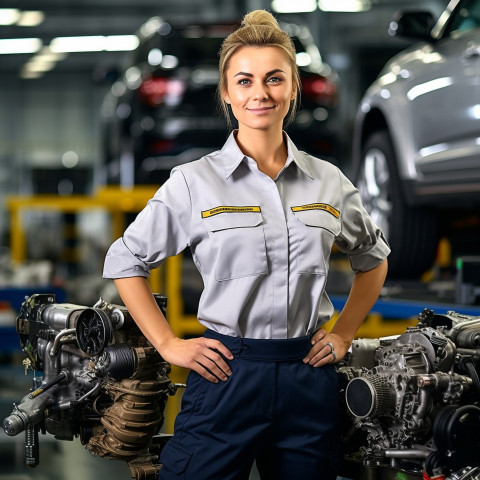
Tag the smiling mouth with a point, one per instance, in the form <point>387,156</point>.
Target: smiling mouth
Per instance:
<point>260,109</point>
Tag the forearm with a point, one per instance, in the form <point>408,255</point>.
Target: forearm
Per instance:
<point>137,297</point>
<point>199,354</point>
<point>364,293</point>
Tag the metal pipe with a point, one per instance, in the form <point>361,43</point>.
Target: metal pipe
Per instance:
<point>58,338</point>
<point>407,453</point>
<point>59,378</point>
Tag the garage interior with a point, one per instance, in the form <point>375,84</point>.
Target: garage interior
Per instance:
<point>58,215</point>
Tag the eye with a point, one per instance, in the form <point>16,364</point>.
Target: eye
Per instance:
<point>274,80</point>
<point>243,81</point>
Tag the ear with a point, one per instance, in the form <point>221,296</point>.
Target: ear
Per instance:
<point>226,99</point>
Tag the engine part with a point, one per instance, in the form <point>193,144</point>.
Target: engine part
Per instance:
<point>96,377</point>
<point>468,473</point>
<point>416,399</point>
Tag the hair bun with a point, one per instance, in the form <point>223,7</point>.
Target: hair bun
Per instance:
<point>260,17</point>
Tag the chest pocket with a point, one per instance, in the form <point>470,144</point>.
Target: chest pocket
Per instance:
<point>317,230</point>
<point>238,240</point>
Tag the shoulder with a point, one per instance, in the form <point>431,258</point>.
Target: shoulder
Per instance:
<point>321,169</point>
<point>204,168</point>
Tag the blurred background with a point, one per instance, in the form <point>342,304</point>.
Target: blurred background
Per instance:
<point>99,99</point>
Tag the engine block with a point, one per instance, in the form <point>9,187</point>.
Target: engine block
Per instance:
<point>415,397</point>
<point>96,377</point>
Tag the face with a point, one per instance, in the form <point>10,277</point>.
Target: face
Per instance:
<point>259,87</point>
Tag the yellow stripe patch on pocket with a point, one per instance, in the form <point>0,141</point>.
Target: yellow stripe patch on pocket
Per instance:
<point>229,209</point>
<point>317,206</point>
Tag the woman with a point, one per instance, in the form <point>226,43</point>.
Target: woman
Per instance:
<point>260,218</point>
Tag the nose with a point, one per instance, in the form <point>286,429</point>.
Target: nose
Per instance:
<point>260,93</point>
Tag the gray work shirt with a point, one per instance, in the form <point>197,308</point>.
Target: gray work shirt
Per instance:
<point>262,246</point>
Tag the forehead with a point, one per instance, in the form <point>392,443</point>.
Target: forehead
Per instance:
<point>257,60</point>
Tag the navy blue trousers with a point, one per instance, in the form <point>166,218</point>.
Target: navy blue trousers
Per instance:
<point>273,409</point>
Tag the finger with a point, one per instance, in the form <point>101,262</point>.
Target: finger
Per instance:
<point>317,352</point>
<point>215,368</point>
<point>319,335</point>
<point>213,355</point>
<point>217,345</point>
<point>323,361</point>
<point>204,372</point>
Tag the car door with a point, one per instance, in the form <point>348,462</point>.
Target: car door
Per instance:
<point>445,99</point>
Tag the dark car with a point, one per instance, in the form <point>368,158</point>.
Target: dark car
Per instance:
<point>162,112</point>
<point>417,138</point>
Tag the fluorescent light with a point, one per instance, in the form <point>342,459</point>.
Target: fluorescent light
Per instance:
<point>31,18</point>
<point>9,16</point>
<point>344,5</point>
<point>20,45</point>
<point>39,66</point>
<point>46,55</point>
<point>95,43</point>
<point>297,6</point>
<point>30,75</point>
<point>121,43</point>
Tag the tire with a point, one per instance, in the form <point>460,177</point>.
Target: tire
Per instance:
<point>410,231</point>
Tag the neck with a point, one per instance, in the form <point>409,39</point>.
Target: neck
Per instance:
<point>266,147</point>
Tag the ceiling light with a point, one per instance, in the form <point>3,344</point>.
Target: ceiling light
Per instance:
<point>30,75</point>
<point>287,6</point>
<point>95,43</point>
<point>151,26</point>
<point>20,45</point>
<point>121,43</point>
<point>344,5</point>
<point>9,16</point>
<point>31,18</point>
<point>46,55</point>
<point>39,66</point>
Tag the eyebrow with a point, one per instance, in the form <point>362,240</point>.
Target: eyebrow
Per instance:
<point>267,74</point>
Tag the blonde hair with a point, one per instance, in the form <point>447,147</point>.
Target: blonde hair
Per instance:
<point>258,29</point>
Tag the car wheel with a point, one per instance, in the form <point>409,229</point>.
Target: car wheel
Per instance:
<point>410,231</point>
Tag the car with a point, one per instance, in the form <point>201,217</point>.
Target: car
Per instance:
<point>416,139</point>
<point>161,111</point>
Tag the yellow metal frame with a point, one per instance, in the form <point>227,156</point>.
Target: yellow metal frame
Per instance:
<point>116,201</point>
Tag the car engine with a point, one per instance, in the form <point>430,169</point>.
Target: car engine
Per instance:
<point>96,377</point>
<point>412,401</point>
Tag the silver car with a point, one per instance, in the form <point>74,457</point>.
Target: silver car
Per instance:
<point>417,135</point>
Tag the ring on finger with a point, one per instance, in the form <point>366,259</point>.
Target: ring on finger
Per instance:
<point>331,346</point>
<point>334,355</point>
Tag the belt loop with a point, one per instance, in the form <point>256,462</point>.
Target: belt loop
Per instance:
<point>243,347</point>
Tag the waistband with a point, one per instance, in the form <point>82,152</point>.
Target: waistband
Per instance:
<point>272,350</point>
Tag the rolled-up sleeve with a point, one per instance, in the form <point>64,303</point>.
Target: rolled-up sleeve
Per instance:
<point>360,238</point>
<point>160,230</point>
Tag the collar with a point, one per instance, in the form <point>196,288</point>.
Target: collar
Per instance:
<point>232,156</point>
